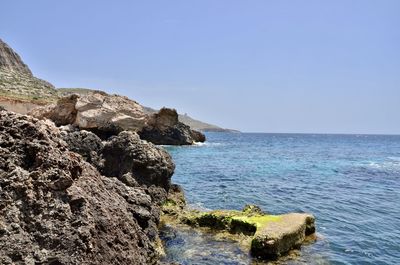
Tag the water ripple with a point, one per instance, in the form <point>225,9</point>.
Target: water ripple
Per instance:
<point>350,183</point>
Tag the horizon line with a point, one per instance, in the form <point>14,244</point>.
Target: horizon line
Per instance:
<point>311,133</point>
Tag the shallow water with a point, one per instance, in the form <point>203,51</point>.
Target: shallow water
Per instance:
<point>351,183</point>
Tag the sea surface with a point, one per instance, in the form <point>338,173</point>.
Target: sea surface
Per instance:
<point>351,183</point>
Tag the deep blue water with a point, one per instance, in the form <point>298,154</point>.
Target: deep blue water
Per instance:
<point>351,183</point>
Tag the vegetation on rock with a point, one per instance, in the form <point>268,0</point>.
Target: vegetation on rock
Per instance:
<point>265,236</point>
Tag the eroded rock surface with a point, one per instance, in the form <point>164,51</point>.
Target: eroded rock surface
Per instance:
<point>165,128</point>
<point>104,114</point>
<point>107,115</point>
<point>127,155</point>
<point>55,208</point>
<point>277,238</point>
<point>86,144</point>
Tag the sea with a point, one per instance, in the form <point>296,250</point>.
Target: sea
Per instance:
<point>350,183</point>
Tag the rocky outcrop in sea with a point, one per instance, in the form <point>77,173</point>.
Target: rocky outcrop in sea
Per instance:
<point>164,127</point>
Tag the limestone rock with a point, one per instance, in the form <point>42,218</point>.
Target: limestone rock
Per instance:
<point>55,208</point>
<point>277,238</point>
<point>164,128</point>
<point>107,115</point>
<point>104,114</point>
<point>99,111</point>
<point>61,113</point>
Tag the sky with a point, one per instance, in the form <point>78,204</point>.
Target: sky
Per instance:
<point>285,66</point>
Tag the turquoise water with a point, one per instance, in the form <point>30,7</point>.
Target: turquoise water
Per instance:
<point>351,183</point>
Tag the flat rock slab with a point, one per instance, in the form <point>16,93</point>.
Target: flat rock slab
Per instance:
<point>277,237</point>
<point>268,236</point>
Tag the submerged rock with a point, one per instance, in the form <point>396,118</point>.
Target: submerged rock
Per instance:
<point>275,238</point>
<point>55,208</point>
<point>165,128</point>
<point>265,236</point>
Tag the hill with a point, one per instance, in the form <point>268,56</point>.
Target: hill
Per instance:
<point>18,82</point>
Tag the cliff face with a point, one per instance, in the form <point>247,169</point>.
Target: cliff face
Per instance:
<point>17,80</point>
<point>10,60</point>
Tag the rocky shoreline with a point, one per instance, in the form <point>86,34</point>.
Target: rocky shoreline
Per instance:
<point>83,181</point>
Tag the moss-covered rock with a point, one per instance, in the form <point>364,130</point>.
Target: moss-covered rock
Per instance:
<point>274,239</point>
<point>265,236</point>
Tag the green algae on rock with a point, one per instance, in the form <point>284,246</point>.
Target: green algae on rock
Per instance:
<point>265,236</point>
<point>275,238</point>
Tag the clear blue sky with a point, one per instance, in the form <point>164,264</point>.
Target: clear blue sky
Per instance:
<point>259,65</point>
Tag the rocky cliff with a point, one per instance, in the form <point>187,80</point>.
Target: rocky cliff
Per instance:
<point>10,60</point>
<point>56,208</point>
<point>17,80</point>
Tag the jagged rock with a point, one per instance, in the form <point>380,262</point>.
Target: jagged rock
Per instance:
<point>164,128</point>
<point>55,208</point>
<point>147,163</point>
<point>133,161</point>
<point>86,144</point>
